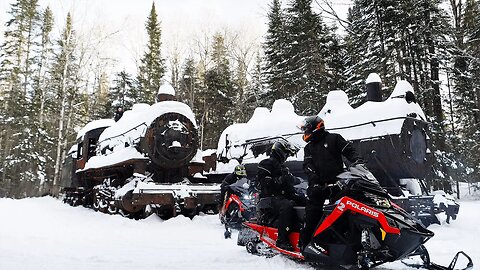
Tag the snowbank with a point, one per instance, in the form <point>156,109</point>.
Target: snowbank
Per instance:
<point>43,233</point>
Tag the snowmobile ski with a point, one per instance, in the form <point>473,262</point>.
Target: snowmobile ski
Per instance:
<point>427,264</point>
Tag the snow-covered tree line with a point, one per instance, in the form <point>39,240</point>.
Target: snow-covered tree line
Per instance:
<point>48,86</point>
<point>39,85</point>
<point>45,90</point>
<point>431,43</point>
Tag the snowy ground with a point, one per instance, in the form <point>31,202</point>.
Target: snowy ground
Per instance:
<point>44,233</point>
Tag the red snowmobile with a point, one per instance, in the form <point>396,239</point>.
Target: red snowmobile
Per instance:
<point>362,229</point>
<point>238,207</point>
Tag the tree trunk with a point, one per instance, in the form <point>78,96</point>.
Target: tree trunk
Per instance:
<point>60,139</point>
<point>60,134</point>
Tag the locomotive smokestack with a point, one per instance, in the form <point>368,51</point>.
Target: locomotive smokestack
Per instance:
<point>374,87</point>
<point>166,93</point>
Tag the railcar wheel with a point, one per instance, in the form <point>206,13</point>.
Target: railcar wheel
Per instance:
<point>96,203</point>
<point>112,209</point>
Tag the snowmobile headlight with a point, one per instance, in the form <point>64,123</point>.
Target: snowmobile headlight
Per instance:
<point>382,202</point>
<point>379,201</point>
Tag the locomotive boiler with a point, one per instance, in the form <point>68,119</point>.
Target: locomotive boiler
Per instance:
<point>147,161</point>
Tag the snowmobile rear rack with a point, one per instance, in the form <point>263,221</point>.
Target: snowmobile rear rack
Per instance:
<point>427,264</point>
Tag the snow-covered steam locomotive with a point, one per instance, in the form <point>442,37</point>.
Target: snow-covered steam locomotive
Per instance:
<point>145,162</point>
<point>391,135</point>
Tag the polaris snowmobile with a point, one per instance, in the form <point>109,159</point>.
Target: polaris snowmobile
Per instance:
<point>361,229</point>
<point>239,205</point>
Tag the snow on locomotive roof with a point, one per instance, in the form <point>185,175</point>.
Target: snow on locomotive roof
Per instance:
<point>280,121</point>
<point>94,125</point>
<point>135,122</point>
<point>368,121</point>
<point>116,157</point>
<point>371,119</point>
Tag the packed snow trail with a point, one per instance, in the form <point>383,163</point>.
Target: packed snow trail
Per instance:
<point>44,233</point>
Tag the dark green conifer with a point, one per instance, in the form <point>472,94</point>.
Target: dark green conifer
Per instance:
<point>151,68</point>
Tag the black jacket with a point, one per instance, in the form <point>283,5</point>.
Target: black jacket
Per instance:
<point>323,157</point>
<point>229,179</point>
<point>274,179</point>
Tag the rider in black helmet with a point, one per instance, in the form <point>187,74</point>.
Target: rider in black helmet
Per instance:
<point>322,163</point>
<point>275,184</point>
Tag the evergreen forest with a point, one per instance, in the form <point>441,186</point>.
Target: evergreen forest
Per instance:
<point>49,86</point>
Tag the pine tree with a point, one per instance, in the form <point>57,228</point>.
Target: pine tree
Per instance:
<point>152,68</point>
<point>257,89</point>
<point>16,79</point>
<point>368,47</point>
<point>303,58</point>
<point>42,96</point>
<point>240,88</point>
<point>275,54</point>
<point>308,51</point>
<point>188,85</point>
<point>218,96</point>
<point>123,93</point>
<point>466,86</point>
<point>44,58</point>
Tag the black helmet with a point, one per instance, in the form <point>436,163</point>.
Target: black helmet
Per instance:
<point>310,125</point>
<point>282,150</point>
<point>240,170</point>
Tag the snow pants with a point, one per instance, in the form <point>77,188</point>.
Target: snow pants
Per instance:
<point>282,209</point>
<point>313,212</point>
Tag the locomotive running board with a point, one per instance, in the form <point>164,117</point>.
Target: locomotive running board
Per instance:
<point>192,195</point>
<point>178,189</point>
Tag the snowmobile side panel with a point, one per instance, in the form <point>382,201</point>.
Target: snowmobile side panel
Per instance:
<point>347,203</point>
<point>236,199</point>
<point>271,243</point>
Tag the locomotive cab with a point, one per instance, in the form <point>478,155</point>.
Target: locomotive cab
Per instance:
<point>87,145</point>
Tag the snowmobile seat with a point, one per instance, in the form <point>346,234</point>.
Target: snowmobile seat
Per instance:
<point>266,215</point>
<point>300,213</point>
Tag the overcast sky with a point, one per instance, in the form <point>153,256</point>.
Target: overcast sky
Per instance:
<point>120,24</point>
<point>117,27</point>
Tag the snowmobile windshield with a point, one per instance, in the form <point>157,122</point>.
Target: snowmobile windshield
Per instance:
<point>358,172</point>
<point>361,185</point>
<point>241,186</point>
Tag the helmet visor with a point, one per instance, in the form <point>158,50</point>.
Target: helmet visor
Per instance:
<point>304,125</point>
<point>240,170</point>
<point>241,173</point>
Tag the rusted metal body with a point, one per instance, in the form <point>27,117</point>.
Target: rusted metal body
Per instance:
<point>159,177</point>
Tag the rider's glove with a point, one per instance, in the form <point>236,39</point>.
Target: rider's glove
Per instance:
<point>341,185</point>
<point>285,170</point>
